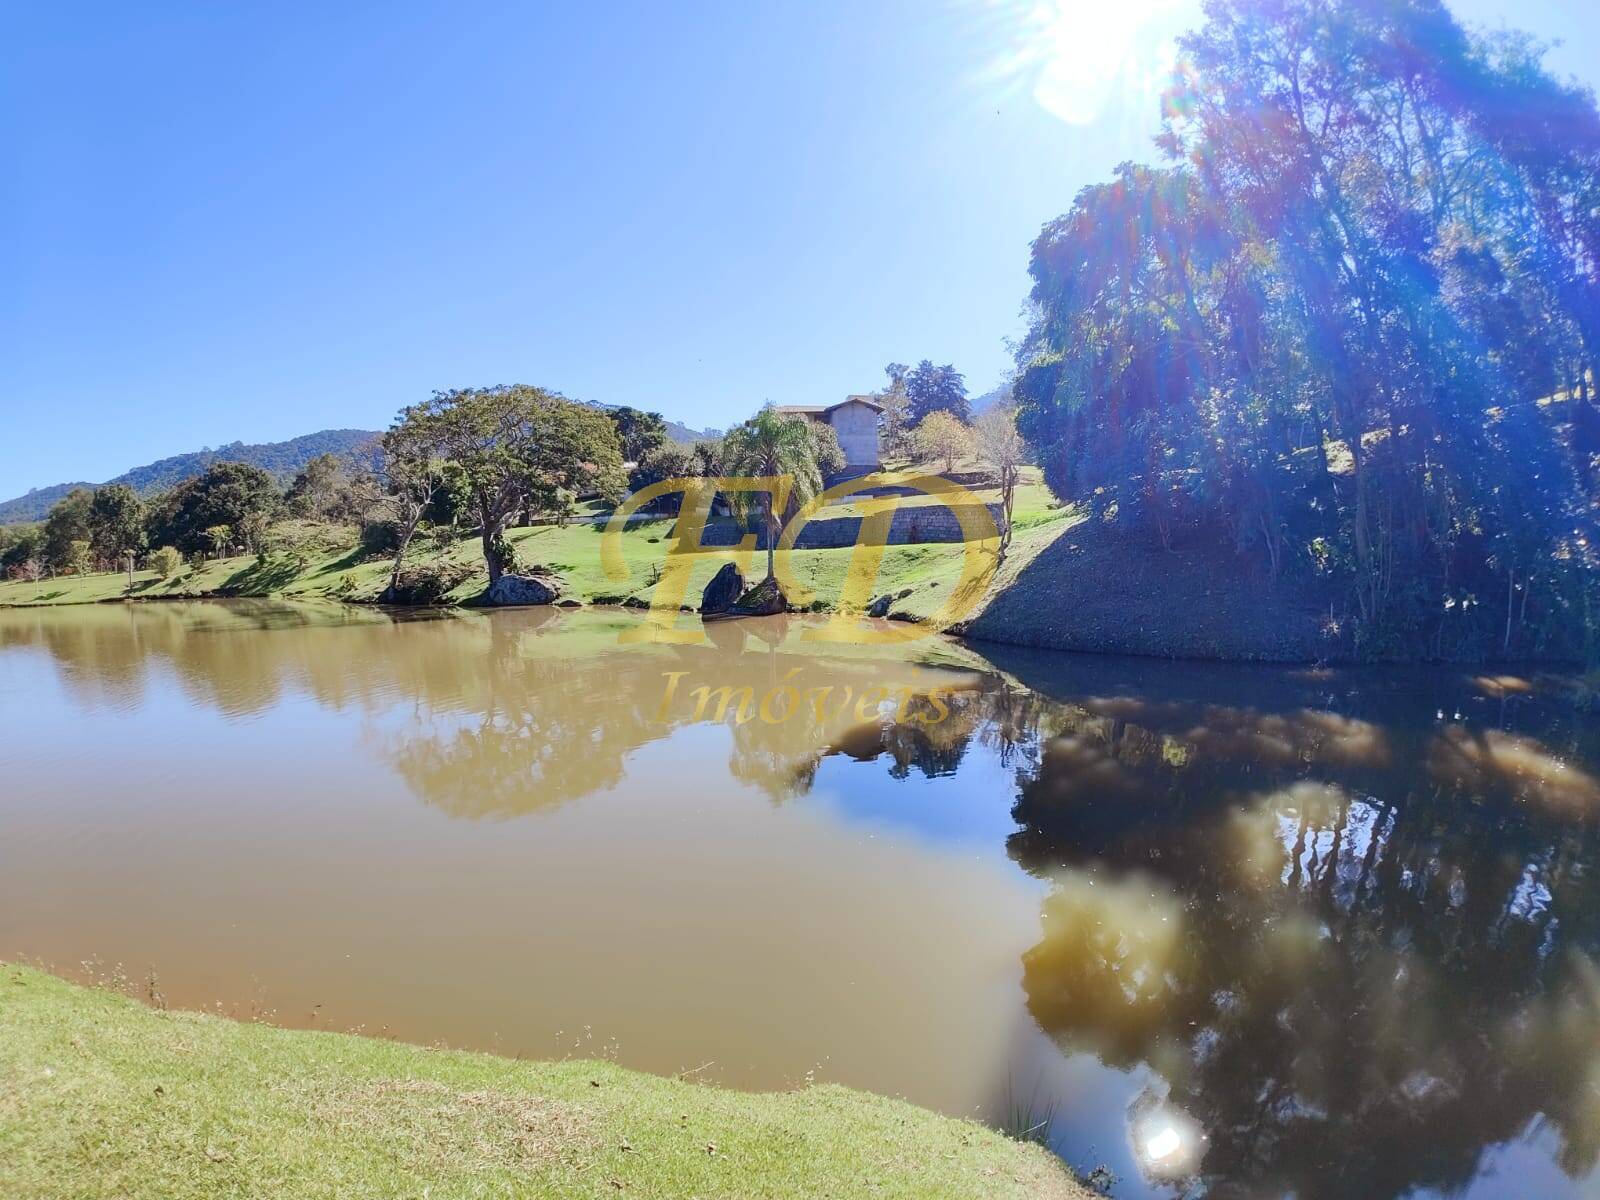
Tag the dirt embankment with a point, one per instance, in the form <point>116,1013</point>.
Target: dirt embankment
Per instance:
<point>1098,590</point>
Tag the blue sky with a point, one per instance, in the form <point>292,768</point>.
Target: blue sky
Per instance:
<point>253,222</point>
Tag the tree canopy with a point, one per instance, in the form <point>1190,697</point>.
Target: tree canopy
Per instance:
<point>517,450</point>
<point>116,522</point>
<point>235,497</point>
<point>931,389</point>
<point>638,433</point>
<point>1351,325</point>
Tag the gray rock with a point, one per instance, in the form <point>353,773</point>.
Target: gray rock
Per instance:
<point>726,586</point>
<point>766,599</point>
<point>880,606</point>
<point>511,590</point>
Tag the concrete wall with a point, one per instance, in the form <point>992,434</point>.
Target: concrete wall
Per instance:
<point>857,427</point>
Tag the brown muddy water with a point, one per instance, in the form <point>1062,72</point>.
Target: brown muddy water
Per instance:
<point>1230,931</point>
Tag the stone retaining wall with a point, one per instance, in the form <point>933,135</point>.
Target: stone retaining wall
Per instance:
<point>924,523</point>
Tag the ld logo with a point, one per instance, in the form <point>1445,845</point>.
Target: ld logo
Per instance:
<point>687,552</point>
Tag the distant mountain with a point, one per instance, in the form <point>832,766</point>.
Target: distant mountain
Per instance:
<point>982,404</point>
<point>675,431</point>
<point>280,459</point>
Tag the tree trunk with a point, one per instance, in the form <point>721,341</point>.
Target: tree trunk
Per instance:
<point>491,554</point>
<point>772,533</point>
<point>408,530</point>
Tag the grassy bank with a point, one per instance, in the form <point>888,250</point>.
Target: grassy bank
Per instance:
<point>102,1096</point>
<point>1067,584</point>
<point>572,551</point>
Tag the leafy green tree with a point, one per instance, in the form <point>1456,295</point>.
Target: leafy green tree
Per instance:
<point>319,488</point>
<point>638,433</point>
<point>828,453</point>
<point>66,524</point>
<point>517,449</point>
<point>412,476</point>
<point>1350,325</point>
<point>708,458</point>
<point>218,538</point>
<point>931,389</point>
<point>941,436</point>
<point>116,522</point>
<point>896,419</point>
<point>80,557</point>
<point>235,495</point>
<point>773,446</point>
<point>165,562</point>
<point>20,544</point>
<point>670,460</point>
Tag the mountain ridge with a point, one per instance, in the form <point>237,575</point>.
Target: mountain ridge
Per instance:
<point>279,459</point>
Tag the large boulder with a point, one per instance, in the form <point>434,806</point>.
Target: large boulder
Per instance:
<point>726,586</point>
<point>511,590</point>
<point>881,606</point>
<point>766,599</point>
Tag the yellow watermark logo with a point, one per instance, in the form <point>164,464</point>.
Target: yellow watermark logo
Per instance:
<point>686,550</point>
<point>787,701</point>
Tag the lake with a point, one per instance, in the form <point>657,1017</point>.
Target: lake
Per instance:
<point>1225,930</point>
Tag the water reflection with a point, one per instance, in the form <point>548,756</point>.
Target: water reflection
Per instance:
<point>1322,934</point>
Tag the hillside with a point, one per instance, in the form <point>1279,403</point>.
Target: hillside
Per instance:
<point>281,459</point>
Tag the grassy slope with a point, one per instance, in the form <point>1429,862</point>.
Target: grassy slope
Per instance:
<point>101,1097</point>
<point>1095,588</point>
<point>573,552</point>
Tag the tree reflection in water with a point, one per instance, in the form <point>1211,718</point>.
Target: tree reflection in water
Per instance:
<point>1349,919</point>
<point>1358,946</point>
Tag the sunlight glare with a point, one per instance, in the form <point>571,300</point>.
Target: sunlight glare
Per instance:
<point>1076,57</point>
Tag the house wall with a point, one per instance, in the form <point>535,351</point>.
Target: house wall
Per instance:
<point>857,427</point>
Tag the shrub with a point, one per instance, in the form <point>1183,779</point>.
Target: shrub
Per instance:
<point>380,537</point>
<point>428,583</point>
<point>165,562</point>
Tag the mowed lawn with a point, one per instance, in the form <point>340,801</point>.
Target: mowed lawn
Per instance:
<point>101,1096</point>
<point>924,573</point>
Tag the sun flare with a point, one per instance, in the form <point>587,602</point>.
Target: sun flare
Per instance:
<point>1077,57</point>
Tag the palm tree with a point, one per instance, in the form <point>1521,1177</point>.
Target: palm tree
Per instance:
<point>770,444</point>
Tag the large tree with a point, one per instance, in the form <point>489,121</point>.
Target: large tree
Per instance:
<point>320,488</point>
<point>235,496</point>
<point>896,419</point>
<point>518,449</point>
<point>931,389</point>
<point>66,529</point>
<point>1351,324</point>
<point>637,432</point>
<point>411,473</point>
<point>116,522</point>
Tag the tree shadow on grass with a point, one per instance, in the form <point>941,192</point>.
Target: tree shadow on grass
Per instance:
<point>262,578</point>
<point>342,563</point>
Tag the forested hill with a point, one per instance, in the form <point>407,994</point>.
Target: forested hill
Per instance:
<point>281,459</point>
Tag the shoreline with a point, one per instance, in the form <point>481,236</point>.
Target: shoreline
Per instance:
<point>990,633</point>
<point>104,1093</point>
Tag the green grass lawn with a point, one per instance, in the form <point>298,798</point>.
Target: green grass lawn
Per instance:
<point>101,1096</point>
<point>571,551</point>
